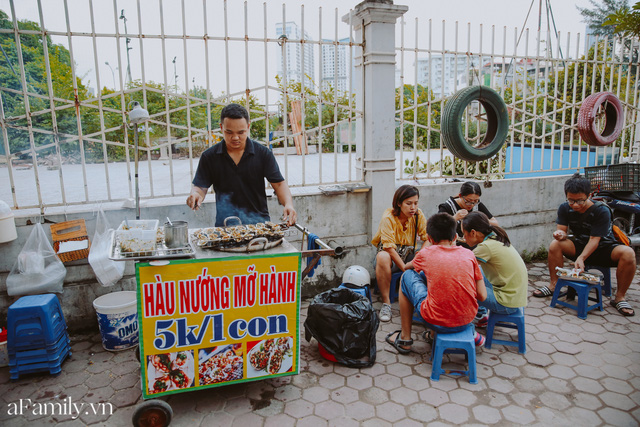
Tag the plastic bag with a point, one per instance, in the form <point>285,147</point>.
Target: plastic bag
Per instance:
<point>345,324</point>
<point>37,270</point>
<point>107,271</point>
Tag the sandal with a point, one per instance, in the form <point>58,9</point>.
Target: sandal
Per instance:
<point>398,342</point>
<point>428,336</point>
<point>623,305</point>
<point>542,292</point>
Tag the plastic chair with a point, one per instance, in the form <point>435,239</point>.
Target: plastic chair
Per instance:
<point>460,343</point>
<point>512,321</point>
<point>582,290</point>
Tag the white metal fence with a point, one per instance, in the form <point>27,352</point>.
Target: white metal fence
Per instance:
<point>63,105</point>
<point>65,139</point>
<point>543,78</point>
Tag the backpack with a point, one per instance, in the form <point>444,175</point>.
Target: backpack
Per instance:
<point>618,233</point>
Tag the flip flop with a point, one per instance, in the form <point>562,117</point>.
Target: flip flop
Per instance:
<point>428,336</point>
<point>623,305</point>
<point>542,292</point>
<point>398,342</point>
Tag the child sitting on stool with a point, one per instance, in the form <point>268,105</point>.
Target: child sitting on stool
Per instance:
<point>444,286</point>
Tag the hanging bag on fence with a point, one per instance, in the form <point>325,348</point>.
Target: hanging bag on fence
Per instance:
<point>107,271</point>
<point>345,324</point>
<point>37,270</point>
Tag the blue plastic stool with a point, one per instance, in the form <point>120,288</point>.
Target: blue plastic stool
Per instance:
<point>458,342</point>
<point>582,290</point>
<point>394,287</point>
<point>362,290</point>
<point>35,321</point>
<point>606,278</point>
<point>512,321</point>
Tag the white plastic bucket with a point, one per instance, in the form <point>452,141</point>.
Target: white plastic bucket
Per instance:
<point>118,320</point>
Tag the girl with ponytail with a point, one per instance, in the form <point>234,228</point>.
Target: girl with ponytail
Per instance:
<point>505,274</point>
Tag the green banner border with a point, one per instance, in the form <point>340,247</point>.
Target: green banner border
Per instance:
<point>143,365</point>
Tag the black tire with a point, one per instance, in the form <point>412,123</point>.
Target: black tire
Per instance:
<point>497,123</point>
<point>155,412</point>
<point>587,123</point>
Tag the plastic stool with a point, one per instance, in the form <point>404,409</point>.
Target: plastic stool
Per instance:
<point>512,321</point>
<point>458,342</point>
<point>583,290</point>
<point>394,289</point>
<point>606,278</point>
<point>361,290</point>
<point>35,320</point>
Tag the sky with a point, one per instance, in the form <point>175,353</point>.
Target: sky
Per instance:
<point>319,19</point>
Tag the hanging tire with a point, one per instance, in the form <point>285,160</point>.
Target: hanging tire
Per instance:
<point>614,119</point>
<point>152,413</point>
<point>497,123</point>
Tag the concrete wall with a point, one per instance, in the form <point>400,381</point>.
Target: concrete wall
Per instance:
<point>526,208</point>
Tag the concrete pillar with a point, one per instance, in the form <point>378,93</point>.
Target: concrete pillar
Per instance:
<point>374,24</point>
<point>164,152</point>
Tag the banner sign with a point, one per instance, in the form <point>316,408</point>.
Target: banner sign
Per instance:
<point>210,322</point>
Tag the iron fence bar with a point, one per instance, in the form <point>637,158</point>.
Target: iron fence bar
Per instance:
<point>27,107</point>
<point>415,111</point>
<point>320,101</point>
<point>103,141</point>
<point>209,137</point>
<point>77,106</point>
<point>54,119</point>
<point>7,151</point>
<point>285,100</point>
<point>401,95</point>
<point>144,98</point>
<point>123,103</point>
<point>513,69</point>
<point>303,98</point>
<point>187,87</point>
<point>266,77</point>
<point>167,106</point>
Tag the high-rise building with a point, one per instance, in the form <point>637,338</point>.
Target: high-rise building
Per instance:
<point>443,75</point>
<point>299,57</point>
<point>335,65</point>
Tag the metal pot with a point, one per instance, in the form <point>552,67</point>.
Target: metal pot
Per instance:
<point>176,234</point>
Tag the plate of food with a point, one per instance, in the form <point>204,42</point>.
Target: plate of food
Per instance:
<point>269,357</point>
<point>220,364</point>
<point>577,275</point>
<point>170,371</point>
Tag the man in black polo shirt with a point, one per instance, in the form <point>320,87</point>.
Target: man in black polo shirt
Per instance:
<point>237,167</point>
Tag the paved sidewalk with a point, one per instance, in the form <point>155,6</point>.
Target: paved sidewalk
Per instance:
<point>575,372</point>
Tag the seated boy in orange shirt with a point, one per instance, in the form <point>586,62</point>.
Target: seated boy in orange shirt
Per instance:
<point>444,287</point>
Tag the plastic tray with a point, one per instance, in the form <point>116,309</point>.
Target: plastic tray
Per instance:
<point>160,251</point>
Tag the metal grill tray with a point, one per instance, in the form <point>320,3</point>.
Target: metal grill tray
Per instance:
<point>160,252</point>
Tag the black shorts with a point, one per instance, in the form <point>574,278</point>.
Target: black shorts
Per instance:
<point>600,257</point>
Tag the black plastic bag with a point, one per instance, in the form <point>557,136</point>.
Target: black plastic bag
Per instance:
<point>345,324</point>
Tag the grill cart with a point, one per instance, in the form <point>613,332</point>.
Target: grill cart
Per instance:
<point>224,316</point>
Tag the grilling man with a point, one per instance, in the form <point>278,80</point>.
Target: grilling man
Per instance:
<point>237,168</point>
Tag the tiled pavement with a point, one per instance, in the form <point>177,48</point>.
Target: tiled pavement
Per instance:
<point>575,372</point>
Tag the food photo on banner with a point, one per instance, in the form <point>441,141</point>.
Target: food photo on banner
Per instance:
<point>210,322</point>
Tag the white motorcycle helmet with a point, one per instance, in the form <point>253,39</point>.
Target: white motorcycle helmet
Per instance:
<point>356,275</point>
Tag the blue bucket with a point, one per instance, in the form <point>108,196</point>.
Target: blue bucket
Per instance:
<point>118,320</point>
